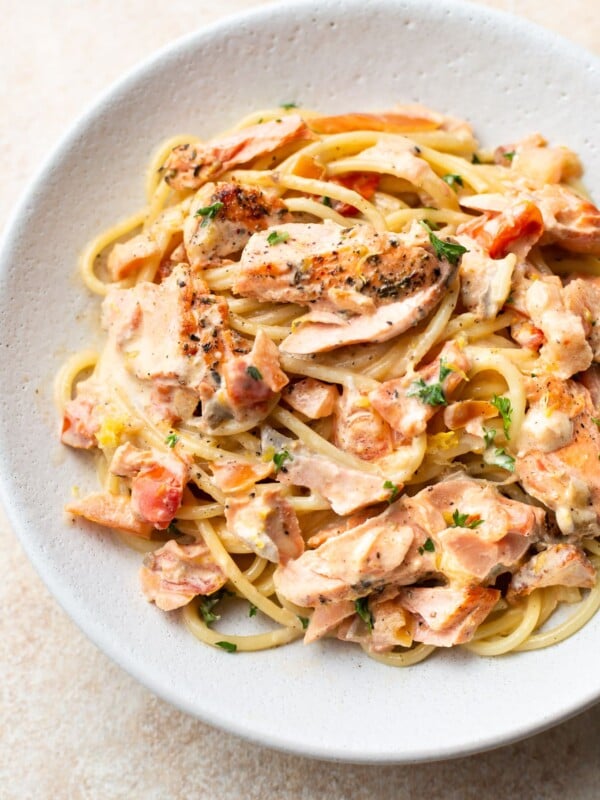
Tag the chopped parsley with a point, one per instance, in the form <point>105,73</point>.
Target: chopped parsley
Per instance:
<point>361,606</point>
<point>431,393</point>
<point>229,646</point>
<point>489,436</point>
<point>596,421</point>
<point>276,237</point>
<point>252,610</point>
<point>288,106</point>
<point>428,546</point>
<point>502,459</point>
<point>208,212</point>
<point>171,439</point>
<point>394,490</point>
<point>451,251</point>
<point>280,458</point>
<point>504,407</point>
<point>510,155</point>
<point>326,201</point>
<point>475,159</point>
<point>206,603</point>
<point>304,621</point>
<point>465,520</point>
<point>453,180</point>
<point>254,373</point>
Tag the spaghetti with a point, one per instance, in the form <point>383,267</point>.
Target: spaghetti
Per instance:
<point>350,380</point>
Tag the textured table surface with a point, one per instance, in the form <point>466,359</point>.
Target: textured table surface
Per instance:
<point>72,724</point>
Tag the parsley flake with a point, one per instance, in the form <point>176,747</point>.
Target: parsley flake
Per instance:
<point>229,646</point>
<point>252,610</point>
<point>361,606</point>
<point>254,373</point>
<point>171,440</point>
<point>450,251</point>
<point>394,490</point>
<point>428,546</point>
<point>326,201</point>
<point>288,106</point>
<point>505,408</point>
<point>501,458</point>
<point>276,237</point>
<point>489,436</point>
<point>304,621</point>
<point>431,393</point>
<point>208,212</point>
<point>280,458</point>
<point>510,155</point>
<point>206,603</point>
<point>465,520</point>
<point>596,421</point>
<point>453,180</point>
<point>475,159</point>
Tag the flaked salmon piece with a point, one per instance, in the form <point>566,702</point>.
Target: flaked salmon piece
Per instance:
<point>466,556</point>
<point>515,230</point>
<point>527,335</point>
<point>79,426</point>
<point>359,429</point>
<point>558,462</point>
<point>389,121</point>
<point>364,183</point>
<point>267,523</point>
<point>111,511</point>
<point>445,616</point>
<point>158,481</point>
<point>189,166</point>
<point>326,618</point>
<point>582,297</point>
<point>558,565</point>
<point>254,378</point>
<point>565,350</point>
<point>174,574</point>
<point>408,403</point>
<point>470,415</point>
<point>363,285</point>
<point>349,565</point>
<point>238,476</point>
<point>222,218</point>
<point>340,525</point>
<point>569,220</point>
<point>390,626</point>
<point>345,488</point>
<point>311,397</point>
<point>532,158</point>
<point>485,282</point>
<point>149,247</point>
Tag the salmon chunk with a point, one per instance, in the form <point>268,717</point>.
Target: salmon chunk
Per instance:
<point>111,511</point>
<point>174,574</point>
<point>315,399</point>
<point>362,285</point>
<point>558,565</point>
<point>189,166</point>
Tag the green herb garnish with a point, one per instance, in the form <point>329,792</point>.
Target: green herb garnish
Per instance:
<point>502,459</point>
<point>276,237</point>
<point>475,159</point>
<point>208,212</point>
<point>280,458</point>
<point>510,155</point>
<point>206,603</point>
<point>326,201</point>
<point>304,621</point>
<point>287,106</point>
<point>453,180</point>
<point>361,606</point>
<point>431,393</point>
<point>596,421</point>
<point>394,490</point>
<point>252,610</point>
<point>489,436</point>
<point>254,373</point>
<point>229,646</point>
<point>428,546</point>
<point>504,407</point>
<point>462,520</point>
<point>171,439</point>
<point>451,251</point>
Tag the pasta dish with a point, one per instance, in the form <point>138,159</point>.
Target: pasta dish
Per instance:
<point>350,385</point>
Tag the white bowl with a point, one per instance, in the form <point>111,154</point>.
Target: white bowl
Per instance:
<point>326,700</point>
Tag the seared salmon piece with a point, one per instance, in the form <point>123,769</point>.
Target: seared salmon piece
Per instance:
<point>79,426</point>
<point>470,415</point>
<point>345,488</point>
<point>222,218</point>
<point>542,164</point>
<point>158,481</point>
<point>559,450</point>
<point>174,574</point>
<point>326,618</point>
<point>445,616</point>
<point>362,285</point>
<point>238,476</point>
<point>558,565</point>
<point>408,403</point>
<point>359,429</point>
<point>189,166</point>
<point>311,397</point>
<point>111,511</point>
<point>515,230</point>
<point>267,523</point>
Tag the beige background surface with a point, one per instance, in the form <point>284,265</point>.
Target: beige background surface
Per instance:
<point>72,724</point>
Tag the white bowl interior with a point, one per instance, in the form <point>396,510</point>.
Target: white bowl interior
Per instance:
<point>325,700</point>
